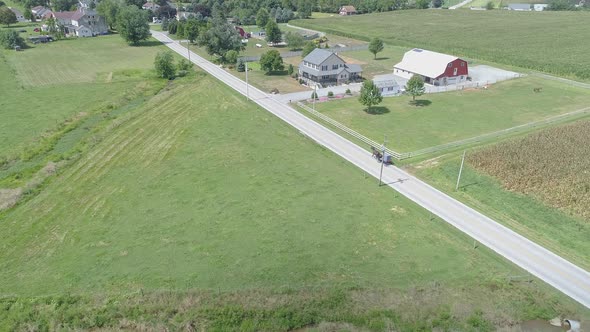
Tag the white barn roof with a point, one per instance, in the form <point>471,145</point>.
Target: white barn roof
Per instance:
<point>425,63</point>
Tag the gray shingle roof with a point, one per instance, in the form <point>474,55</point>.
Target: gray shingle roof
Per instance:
<point>520,6</point>
<point>317,56</point>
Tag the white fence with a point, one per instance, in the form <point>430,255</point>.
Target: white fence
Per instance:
<point>349,131</point>
<point>451,145</point>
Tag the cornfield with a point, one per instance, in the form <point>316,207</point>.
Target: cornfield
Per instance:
<point>552,165</point>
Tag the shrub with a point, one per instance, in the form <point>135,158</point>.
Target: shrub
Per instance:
<point>348,92</point>
<point>164,65</point>
<point>290,69</point>
<point>489,5</point>
<point>330,94</point>
<point>10,38</point>
<point>314,95</point>
<point>184,65</point>
<point>274,91</point>
<point>301,81</point>
<point>241,66</point>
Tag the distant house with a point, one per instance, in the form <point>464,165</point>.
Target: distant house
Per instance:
<point>150,5</point>
<point>183,15</point>
<point>519,6</point>
<point>325,67</point>
<point>83,31</point>
<point>87,18</point>
<point>539,7</point>
<point>435,68</point>
<point>347,10</point>
<point>86,4</point>
<point>387,85</point>
<point>41,12</point>
<point>18,14</point>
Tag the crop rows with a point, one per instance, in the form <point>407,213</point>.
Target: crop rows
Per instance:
<point>552,165</point>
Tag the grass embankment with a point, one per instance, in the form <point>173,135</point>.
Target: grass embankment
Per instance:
<point>451,116</point>
<point>495,36</point>
<point>187,193</point>
<point>47,95</point>
<point>536,185</point>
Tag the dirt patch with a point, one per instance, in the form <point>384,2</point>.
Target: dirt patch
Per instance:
<point>398,210</point>
<point>9,197</point>
<point>352,60</point>
<point>428,163</point>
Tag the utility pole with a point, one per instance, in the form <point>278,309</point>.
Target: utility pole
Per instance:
<point>382,158</point>
<point>188,50</point>
<point>247,89</point>
<point>460,170</point>
<point>315,95</point>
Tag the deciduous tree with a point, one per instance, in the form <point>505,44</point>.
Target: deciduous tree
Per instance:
<point>10,38</point>
<point>109,9</point>
<point>273,33</point>
<point>370,95</point>
<point>164,64</point>
<point>191,29</point>
<point>375,46</point>
<point>7,16</point>
<point>262,17</point>
<point>294,40</point>
<point>132,24</point>
<point>220,37</point>
<point>271,61</point>
<point>308,48</point>
<point>415,87</point>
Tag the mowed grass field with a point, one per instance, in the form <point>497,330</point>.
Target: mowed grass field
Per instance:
<point>200,192</point>
<point>536,185</point>
<point>511,38</point>
<point>45,85</point>
<point>80,60</point>
<point>452,116</point>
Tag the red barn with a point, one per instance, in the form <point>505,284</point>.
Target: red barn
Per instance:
<point>435,68</point>
<point>243,33</point>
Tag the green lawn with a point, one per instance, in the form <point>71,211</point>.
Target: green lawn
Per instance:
<point>453,116</point>
<point>187,193</point>
<point>496,36</point>
<point>39,94</point>
<point>382,64</point>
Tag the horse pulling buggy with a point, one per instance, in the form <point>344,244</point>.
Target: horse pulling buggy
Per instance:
<point>387,160</point>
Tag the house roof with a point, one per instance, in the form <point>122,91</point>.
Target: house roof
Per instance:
<point>81,27</point>
<point>520,6</point>
<point>16,11</point>
<point>353,68</point>
<point>318,56</point>
<point>150,5</point>
<point>74,15</point>
<point>382,81</point>
<point>348,8</point>
<point>425,63</point>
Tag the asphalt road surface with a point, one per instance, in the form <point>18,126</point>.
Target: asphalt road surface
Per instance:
<point>540,262</point>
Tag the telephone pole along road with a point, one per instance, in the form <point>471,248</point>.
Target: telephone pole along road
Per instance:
<point>540,262</point>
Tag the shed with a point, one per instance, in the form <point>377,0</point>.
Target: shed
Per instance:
<point>387,85</point>
<point>519,6</point>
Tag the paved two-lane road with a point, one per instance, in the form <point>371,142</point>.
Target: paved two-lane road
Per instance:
<point>556,271</point>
